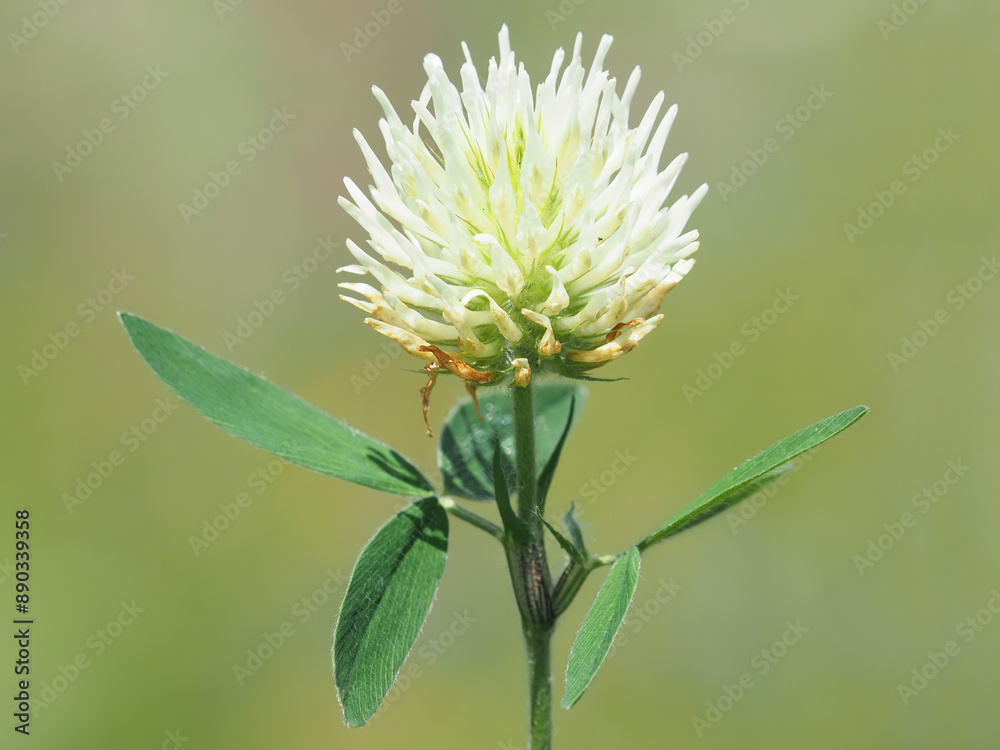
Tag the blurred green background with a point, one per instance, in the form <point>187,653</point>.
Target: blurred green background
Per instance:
<point>892,77</point>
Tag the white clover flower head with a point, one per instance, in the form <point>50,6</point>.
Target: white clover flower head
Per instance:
<point>515,232</point>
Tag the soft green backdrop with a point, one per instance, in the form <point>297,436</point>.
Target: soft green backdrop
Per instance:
<point>729,590</point>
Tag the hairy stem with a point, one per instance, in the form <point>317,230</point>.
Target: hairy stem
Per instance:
<point>524,442</point>
<point>529,571</point>
<point>537,639</point>
<point>470,516</point>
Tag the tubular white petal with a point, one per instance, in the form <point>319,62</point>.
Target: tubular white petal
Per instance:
<point>504,37</point>
<point>467,340</point>
<point>390,112</point>
<point>366,307</point>
<point>597,65</point>
<point>419,324</point>
<point>407,340</point>
<point>508,276</point>
<point>380,307</point>
<point>498,315</point>
<point>392,281</point>
<point>356,270</point>
<point>630,86</point>
<point>531,237</point>
<point>611,311</point>
<point>572,322</point>
<point>377,226</point>
<point>658,187</point>
<point>463,319</point>
<point>537,169</point>
<point>651,302</point>
<point>548,346</point>
<point>645,126</point>
<point>582,261</point>
<point>444,95</point>
<point>655,261</point>
<point>614,349</point>
<point>655,149</point>
<point>681,268</point>
<point>388,197</point>
<point>502,200</point>
<point>522,371</point>
<point>558,299</point>
<point>613,250</point>
<point>366,290</point>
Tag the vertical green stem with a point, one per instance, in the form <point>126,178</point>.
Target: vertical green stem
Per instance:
<point>530,573</point>
<point>537,639</point>
<point>524,442</point>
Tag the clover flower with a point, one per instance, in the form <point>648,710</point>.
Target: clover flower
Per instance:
<point>516,232</point>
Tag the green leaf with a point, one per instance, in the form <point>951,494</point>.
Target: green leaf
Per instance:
<point>578,556</point>
<point>601,625</point>
<point>743,481</point>
<point>465,452</point>
<point>386,603</point>
<point>511,523</point>
<point>549,469</point>
<point>744,492</point>
<point>269,417</point>
<point>574,528</point>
